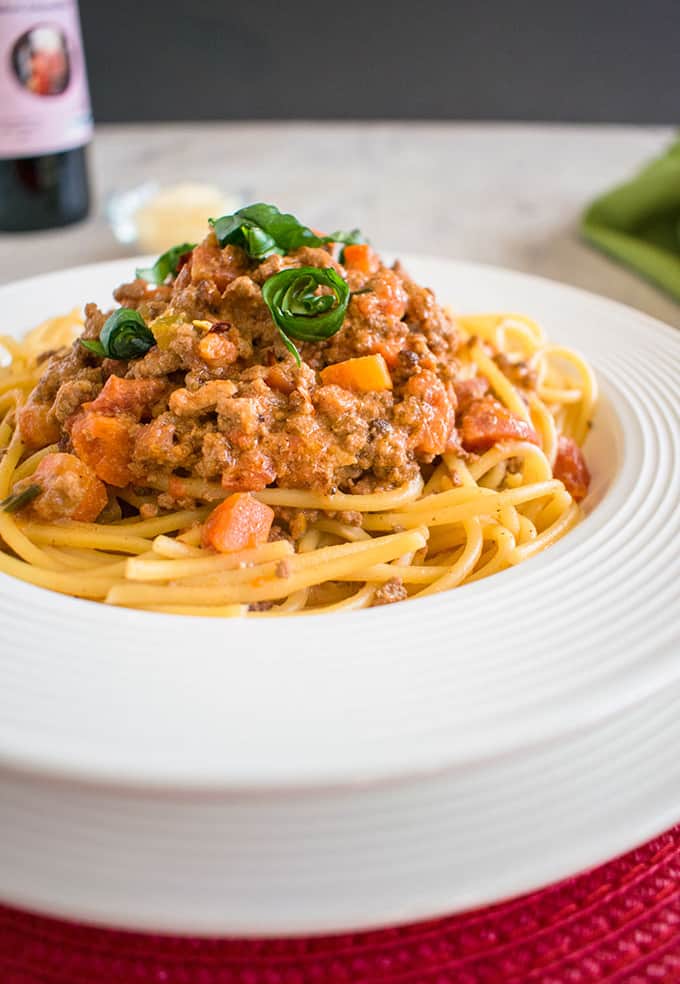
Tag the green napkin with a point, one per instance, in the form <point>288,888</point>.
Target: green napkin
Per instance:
<point>638,223</point>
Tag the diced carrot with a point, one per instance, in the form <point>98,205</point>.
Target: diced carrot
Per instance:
<point>360,256</point>
<point>366,374</point>
<point>237,523</point>
<point>487,422</point>
<point>571,468</point>
<point>37,427</point>
<point>70,489</point>
<point>133,396</point>
<point>217,349</point>
<point>105,444</point>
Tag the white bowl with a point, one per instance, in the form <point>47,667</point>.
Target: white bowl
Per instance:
<point>348,771</point>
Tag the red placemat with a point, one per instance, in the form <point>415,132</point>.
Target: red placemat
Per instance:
<point>618,923</point>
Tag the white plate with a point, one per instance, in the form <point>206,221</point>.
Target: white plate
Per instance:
<point>349,771</point>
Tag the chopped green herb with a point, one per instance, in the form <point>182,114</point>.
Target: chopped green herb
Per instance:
<point>166,265</point>
<point>18,500</point>
<point>262,230</point>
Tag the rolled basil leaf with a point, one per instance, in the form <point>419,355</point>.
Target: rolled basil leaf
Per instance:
<point>124,336</point>
<point>166,265</point>
<point>298,311</point>
<point>262,230</point>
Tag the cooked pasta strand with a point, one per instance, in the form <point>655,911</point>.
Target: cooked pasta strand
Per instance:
<point>147,568</point>
<point>27,467</point>
<point>465,563</point>
<point>76,584</point>
<point>86,535</point>
<point>499,383</point>
<point>375,502</point>
<point>330,564</point>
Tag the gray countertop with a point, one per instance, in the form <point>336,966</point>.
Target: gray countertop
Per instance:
<point>508,194</point>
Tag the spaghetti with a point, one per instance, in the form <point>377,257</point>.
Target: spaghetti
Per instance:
<point>462,515</point>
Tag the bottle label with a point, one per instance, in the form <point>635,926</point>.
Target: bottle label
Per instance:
<point>44,99</point>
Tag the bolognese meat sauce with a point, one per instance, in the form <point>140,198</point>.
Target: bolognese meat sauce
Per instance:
<point>220,394</point>
<point>220,397</point>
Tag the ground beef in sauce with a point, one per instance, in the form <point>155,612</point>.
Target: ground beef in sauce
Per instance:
<point>221,401</point>
<point>236,409</point>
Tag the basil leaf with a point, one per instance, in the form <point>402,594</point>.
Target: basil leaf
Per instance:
<point>124,336</point>
<point>238,230</point>
<point>92,345</point>
<point>18,500</point>
<point>298,311</point>
<point>257,242</point>
<point>284,229</point>
<point>166,265</point>
<point>262,230</point>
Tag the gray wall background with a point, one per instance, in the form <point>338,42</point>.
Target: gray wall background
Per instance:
<point>561,60</point>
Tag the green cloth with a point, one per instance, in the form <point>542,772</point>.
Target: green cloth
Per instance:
<point>638,223</point>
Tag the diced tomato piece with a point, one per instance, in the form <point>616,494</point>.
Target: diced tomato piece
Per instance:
<point>237,523</point>
<point>366,374</point>
<point>210,262</point>
<point>132,396</point>
<point>385,297</point>
<point>360,256</point>
<point>437,413</point>
<point>389,352</point>
<point>70,489</point>
<point>105,444</point>
<point>390,343</point>
<point>37,426</point>
<point>570,467</point>
<point>469,390</point>
<point>486,422</point>
<point>252,472</point>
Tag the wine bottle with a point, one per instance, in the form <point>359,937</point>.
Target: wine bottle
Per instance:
<point>45,116</point>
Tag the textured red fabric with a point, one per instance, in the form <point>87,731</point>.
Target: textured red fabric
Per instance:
<point>619,923</point>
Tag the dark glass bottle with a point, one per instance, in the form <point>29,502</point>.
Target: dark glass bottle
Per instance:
<point>45,118</point>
